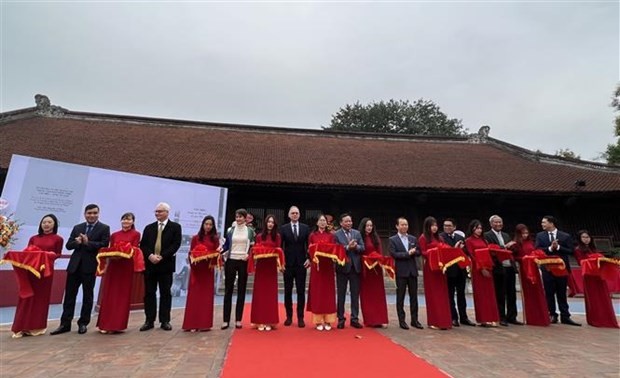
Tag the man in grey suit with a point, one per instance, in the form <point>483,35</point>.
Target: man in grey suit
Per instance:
<point>403,248</point>
<point>349,274</point>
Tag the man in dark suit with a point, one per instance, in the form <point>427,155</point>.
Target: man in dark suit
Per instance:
<point>160,242</point>
<point>295,245</point>
<point>403,249</point>
<point>457,277</point>
<point>558,244</point>
<point>85,240</point>
<point>504,274</point>
<point>349,274</point>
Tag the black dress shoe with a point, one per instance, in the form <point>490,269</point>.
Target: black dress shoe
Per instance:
<point>569,321</point>
<point>82,329</point>
<point>146,326</point>
<point>503,323</point>
<point>553,319</point>
<point>468,322</point>
<point>417,324</point>
<point>301,323</point>
<point>288,322</point>
<point>356,325</point>
<point>61,329</point>
<point>166,326</point>
<point>515,322</point>
<point>340,325</point>
<point>455,323</point>
<point>403,324</point>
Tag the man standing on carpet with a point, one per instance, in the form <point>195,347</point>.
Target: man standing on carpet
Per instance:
<point>349,274</point>
<point>295,245</point>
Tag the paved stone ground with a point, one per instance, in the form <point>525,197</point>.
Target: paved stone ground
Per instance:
<point>555,351</point>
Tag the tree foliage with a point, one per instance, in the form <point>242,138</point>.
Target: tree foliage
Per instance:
<point>567,153</point>
<point>422,117</point>
<point>612,154</point>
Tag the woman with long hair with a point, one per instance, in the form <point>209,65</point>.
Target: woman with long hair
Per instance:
<point>599,309</point>
<point>31,313</point>
<point>535,304</point>
<point>372,289</point>
<point>264,311</point>
<point>438,312</point>
<point>322,287</point>
<point>485,304</point>
<point>200,293</point>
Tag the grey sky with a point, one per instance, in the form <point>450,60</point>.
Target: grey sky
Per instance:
<point>540,74</point>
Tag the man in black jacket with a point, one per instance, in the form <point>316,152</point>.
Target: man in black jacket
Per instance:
<point>160,242</point>
<point>295,245</point>
<point>85,240</point>
<point>457,277</point>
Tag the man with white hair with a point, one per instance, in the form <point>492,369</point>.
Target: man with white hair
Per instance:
<point>160,242</point>
<point>504,274</point>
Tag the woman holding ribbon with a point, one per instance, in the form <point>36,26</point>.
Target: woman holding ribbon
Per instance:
<point>372,289</point>
<point>31,312</point>
<point>117,264</point>
<point>266,259</point>
<point>204,256</point>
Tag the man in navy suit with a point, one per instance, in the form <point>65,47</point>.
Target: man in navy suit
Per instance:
<point>85,240</point>
<point>559,244</point>
<point>457,277</point>
<point>349,274</point>
<point>160,242</point>
<point>295,245</point>
<point>403,248</point>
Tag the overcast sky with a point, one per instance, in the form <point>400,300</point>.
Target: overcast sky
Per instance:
<point>541,74</point>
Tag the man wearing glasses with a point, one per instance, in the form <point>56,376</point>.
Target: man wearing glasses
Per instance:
<point>160,242</point>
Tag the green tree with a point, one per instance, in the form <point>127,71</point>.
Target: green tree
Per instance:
<point>567,153</point>
<point>423,117</point>
<point>612,154</point>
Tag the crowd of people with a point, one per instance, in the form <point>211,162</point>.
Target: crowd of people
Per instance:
<point>339,260</point>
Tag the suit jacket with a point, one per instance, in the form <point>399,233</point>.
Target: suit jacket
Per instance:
<point>171,238</point>
<point>355,260</point>
<point>454,270</point>
<point>404,262</point>
<point>84,256</point>
<point>295,251</point>
<point>491,238</point>
<point>565,243</point>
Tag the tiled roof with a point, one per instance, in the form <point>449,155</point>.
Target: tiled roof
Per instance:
<point>228,153</point>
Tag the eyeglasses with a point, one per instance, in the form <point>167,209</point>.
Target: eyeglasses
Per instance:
<point>161,211</point>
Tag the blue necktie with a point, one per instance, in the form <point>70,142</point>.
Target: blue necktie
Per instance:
<point>89,228</point>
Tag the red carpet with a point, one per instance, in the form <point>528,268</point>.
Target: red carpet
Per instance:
<point>306,352</point>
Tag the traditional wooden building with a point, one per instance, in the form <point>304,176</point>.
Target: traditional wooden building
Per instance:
<point>267,169</point>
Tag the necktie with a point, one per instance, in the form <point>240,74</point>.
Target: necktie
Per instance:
<point>157,248</point>
<point>89,228</point>
<point>551,238</point>
<point>348,235</point>
<point>500,239</point>
<point>295,231</point>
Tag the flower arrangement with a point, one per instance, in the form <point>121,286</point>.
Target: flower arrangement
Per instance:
<point>8,227</point>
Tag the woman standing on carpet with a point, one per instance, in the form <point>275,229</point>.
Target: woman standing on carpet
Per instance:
<point>535,303</point>
<point>118,279</point>
<point>485,304</point>
<point>372,289</point>
<point>31,313</point>
<point>599,309</point>
<point>200,293</point>
<point>438,312</point>
<point>264,311</point>
<point>322,289</point>
<point>239,240</point>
